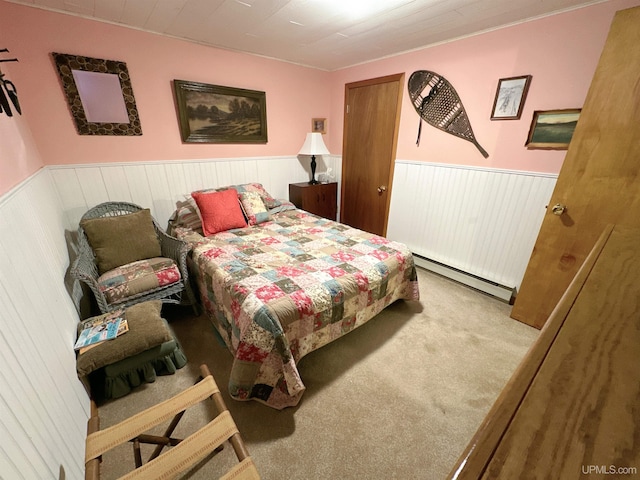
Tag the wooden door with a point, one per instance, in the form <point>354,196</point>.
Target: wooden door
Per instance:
<point>599,182</point>
<point>372,115</point>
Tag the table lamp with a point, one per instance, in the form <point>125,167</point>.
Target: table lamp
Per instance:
<point>313,145</point>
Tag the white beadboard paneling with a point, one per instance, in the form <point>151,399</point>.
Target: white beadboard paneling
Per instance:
<point>44,406</point>
<point>138,182</point>
<point>115,180</point>
<point>69,191</point>
<point>159,185</point>
<point>477,220</point>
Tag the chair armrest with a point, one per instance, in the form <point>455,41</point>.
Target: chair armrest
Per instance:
<point>175,249</point>
<point>84,269</point>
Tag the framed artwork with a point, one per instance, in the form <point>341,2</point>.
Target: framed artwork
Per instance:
<point>99,94</point>
<point>552,129</point>
<point>319,125</point>
<point>217,114</point>
<point>510,96</point>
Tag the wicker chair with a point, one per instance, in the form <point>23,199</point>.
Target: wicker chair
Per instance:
<point>85,268</point>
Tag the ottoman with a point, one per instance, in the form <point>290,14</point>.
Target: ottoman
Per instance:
<point>112,368</point>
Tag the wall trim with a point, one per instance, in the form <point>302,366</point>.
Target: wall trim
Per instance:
<point>480,169</point>
<point>271,158</point>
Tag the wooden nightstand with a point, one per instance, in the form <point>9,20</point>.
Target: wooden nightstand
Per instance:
<point>320,198</point>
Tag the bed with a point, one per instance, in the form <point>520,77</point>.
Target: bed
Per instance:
<point>284,284</point>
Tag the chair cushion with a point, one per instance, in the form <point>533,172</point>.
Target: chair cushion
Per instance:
<point>138,277</point>
<point>122,239</point>
<point>147,329</point>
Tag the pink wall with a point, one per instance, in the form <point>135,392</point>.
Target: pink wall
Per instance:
<point>19,157</point>
<point>294,94</point>
<point>560,52</point>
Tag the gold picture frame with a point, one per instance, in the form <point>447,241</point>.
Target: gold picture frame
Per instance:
<point>218,114</point>
<point>319,125</point>
<point>552,129</point>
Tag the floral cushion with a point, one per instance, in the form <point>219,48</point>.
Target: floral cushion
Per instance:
<point>138,277</point>
<point>254,208</point>
<point>268,200</point>
<point>186,215</point>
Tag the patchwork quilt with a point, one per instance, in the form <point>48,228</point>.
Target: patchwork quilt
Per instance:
<point>282,289</point>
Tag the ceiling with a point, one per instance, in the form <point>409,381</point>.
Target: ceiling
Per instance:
<point>324,34</point>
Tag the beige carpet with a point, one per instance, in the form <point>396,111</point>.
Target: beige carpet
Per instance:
<point>400,397</point>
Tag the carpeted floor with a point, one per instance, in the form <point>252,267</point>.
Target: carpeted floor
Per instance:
<point>400,397</point>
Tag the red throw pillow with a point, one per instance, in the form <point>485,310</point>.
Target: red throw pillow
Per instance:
<point>220,211</point>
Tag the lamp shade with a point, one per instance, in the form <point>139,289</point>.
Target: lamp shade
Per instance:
<point>313,145</point>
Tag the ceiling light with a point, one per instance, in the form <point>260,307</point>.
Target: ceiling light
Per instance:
<point>362,8</point>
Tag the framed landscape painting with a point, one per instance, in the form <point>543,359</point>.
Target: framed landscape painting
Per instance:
<point>552,129</point>
<point>217,114</point>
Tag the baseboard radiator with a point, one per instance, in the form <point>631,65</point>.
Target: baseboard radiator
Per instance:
<point>475,225</point>
<point>503,292</point>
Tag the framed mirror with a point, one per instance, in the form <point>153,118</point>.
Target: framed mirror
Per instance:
<point>99,94</point>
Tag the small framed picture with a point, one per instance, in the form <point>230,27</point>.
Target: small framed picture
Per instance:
<point>510,96</point>
<point>552,129</point>
<point>319,125</point>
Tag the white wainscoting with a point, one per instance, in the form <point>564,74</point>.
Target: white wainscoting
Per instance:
<point>480,222</point>
<point>159,185</point>
<point>470,222</point>
<point>43,406</point>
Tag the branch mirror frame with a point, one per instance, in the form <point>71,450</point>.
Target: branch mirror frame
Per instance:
<point>103,95</point>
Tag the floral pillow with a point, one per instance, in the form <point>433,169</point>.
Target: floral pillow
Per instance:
<point>268,200</point>
<point>186,215</point>
<point>254,208</point>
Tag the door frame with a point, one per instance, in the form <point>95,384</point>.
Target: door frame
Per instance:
<point>399,77</point>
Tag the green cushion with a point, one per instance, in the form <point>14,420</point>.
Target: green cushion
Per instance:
<point>147,329</point>
<point>122,239</point>
<point>118,379</point>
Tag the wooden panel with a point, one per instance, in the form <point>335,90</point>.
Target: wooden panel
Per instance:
<point>480,221</point>
<point>582,408</point>
<point>319,199</point>
<point>571,408</point>
<point>599,181</point>
<point>372,118</point>
<point>478,454</point>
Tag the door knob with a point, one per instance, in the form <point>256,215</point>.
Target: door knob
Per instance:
<point>382,188</point>
<point>558,209</point>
